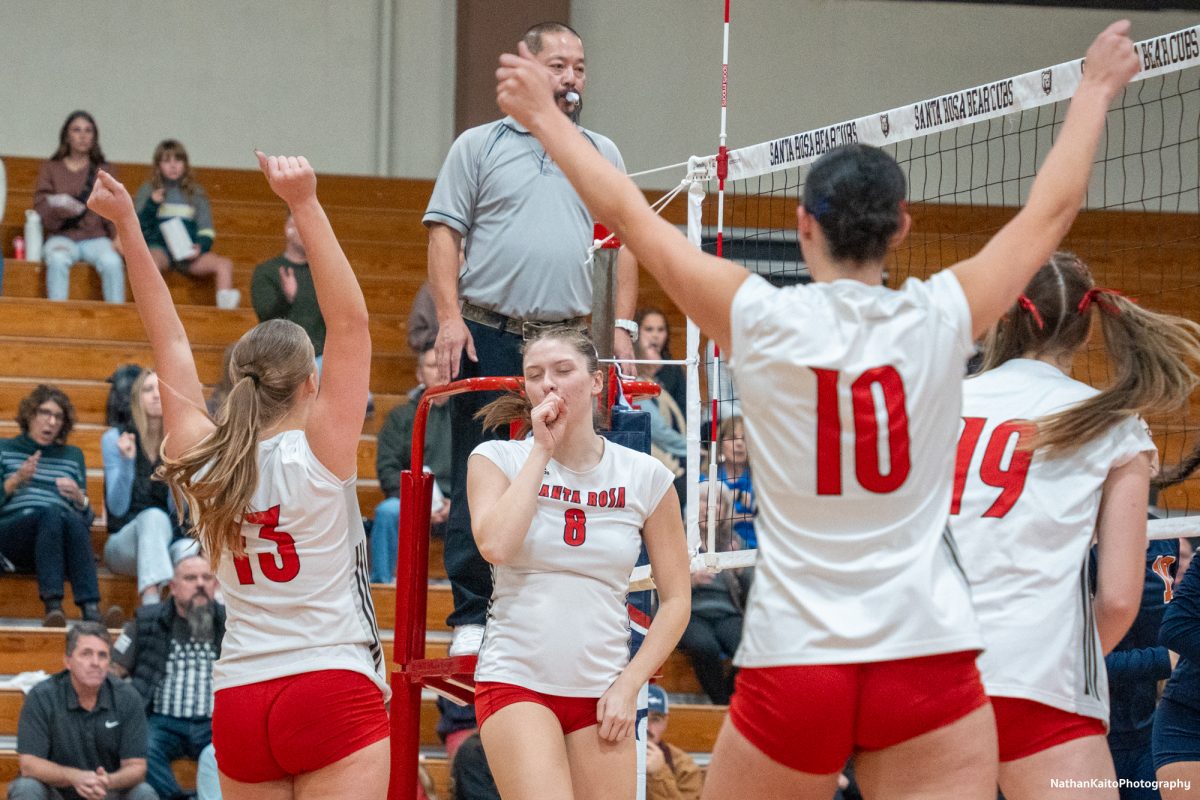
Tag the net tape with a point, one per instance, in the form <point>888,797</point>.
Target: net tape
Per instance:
<point>1158,56</point>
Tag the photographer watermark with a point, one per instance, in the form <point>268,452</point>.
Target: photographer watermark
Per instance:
<point>1117,783</point>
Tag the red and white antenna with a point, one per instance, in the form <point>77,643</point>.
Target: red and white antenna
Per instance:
<point>714,385</point>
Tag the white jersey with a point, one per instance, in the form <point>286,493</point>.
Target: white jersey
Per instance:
<point>851,396</point>
<point>300,601</point>
<point>1025,524</point>
<point>557,622</point>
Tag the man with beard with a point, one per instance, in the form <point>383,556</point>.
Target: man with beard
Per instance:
<point>526,235</point>
<point>168,651</point>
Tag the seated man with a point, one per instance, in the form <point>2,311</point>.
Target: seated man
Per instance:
<point>282,288</point>
<point>394,455</point>
<point>168,651</point>
<point>82,732</point>
<point>670,772</point>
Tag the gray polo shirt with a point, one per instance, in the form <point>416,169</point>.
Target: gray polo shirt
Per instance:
<point>527,232</point>
<point>55,727</point>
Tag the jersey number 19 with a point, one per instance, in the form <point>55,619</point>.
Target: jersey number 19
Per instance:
<point>1010,480</point>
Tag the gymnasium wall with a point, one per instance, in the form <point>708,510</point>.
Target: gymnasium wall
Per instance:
<point>365,86</point>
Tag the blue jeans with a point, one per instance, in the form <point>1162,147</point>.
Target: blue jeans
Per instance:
<point>383,541</point>
<point>57,545</point>
<point>171,738</point>
<point>60,253</point>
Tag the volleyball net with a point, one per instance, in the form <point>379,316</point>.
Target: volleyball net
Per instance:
<point>970,157</point>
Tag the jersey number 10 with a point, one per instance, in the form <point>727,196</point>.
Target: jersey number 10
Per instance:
<point>278,569</point>
<point>867,468</point>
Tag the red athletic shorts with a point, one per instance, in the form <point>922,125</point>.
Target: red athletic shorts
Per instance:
<point>1025,727</point>
<point>812,718</point>
<point>298,723</point>
<point>573,713</point>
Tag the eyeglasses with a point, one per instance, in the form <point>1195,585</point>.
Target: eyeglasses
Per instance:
<point>50,414</point>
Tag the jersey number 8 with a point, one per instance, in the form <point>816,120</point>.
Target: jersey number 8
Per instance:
<point>575,527</point>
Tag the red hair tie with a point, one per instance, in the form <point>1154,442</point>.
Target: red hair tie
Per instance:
<point>1099,295</point>
<point>1027,304</point>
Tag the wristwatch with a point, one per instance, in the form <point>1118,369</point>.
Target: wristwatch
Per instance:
<point>629,326</point>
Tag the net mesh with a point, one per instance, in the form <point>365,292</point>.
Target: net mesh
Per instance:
<point>1139,232</point>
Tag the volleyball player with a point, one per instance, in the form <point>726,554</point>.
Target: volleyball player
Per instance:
<point>859,634</point>
<point>562,516</point>
<point>1044,463</point>
<point>299,708</point>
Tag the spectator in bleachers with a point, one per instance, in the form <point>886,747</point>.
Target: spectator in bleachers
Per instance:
<point>394,455</point>
<point>733,469</point>
<point>667,422</point>
<point>653,333</point>
<point>82,732</point>
<point>718,607</point>
<point>282,288</point>
<point>671,774</point>
<point>73,233</point>
<point>144,534</point>
<point>168,652</point>
<point>422,321</point>
<point>44,510</point>
<point>172,193</point>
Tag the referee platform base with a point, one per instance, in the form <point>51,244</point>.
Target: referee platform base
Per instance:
<point>452,678</point>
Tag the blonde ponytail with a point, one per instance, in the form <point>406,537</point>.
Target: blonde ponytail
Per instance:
<point>215,479</point>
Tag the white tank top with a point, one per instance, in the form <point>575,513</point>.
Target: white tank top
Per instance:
<point>557,621</point>
<point>851,395</point>
<point>1025,524</point>
<point>301,600</point>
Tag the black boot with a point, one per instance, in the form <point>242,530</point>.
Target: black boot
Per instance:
<point>91,612</point>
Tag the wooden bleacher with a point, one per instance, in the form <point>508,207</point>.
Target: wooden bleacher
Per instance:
<point>77,344</point>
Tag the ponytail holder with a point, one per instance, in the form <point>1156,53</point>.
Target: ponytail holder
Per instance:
<point>1100,295</point>
<point>252,376</point>
<point>819,208</point>
<point>1027,304</point>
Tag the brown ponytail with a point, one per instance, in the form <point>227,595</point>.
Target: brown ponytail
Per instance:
<point>1150,353</point>
<point>215,479</point>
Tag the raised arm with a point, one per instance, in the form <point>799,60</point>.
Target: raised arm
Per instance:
<point>337,419</point>
<point>184,417</point>
<point>701,285</point>
<point>994,277</point>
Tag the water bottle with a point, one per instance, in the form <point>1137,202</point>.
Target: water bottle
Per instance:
<point>18,248</point>
<point>33,235</point>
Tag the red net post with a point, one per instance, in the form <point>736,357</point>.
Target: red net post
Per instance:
<point>412,579</point>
